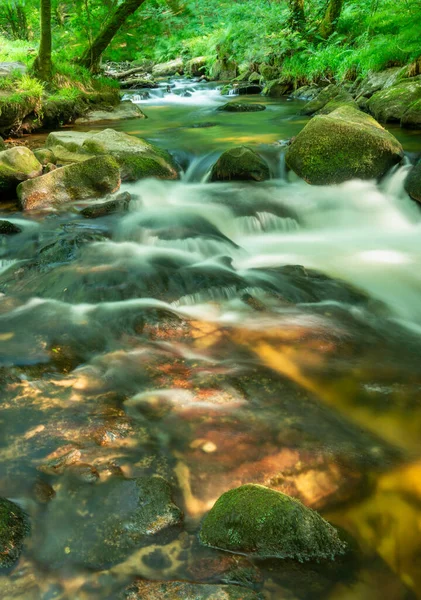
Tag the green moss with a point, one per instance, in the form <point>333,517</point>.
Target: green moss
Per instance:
<point>343,145</point>
<point>258,521</point>
<point>14,526</point>
<point>240,107</point>
<point>240,164</point>
<point>16,165</point>
<point>390,104</point>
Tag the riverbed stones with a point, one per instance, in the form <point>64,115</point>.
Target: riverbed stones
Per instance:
<point>100,524</point>
<point>196,67</point>
<point>14,527</point>
<point>241,107</point>
<point>45,156</point>
<point>399,103</point>
<point>343,145</point>
<point>16,165</point>
<point>92,178</point>
<point>264,523</point>
<point>240,164</point>
<point>124,111</point>
<point>413,182</point>
<point>182,590</point>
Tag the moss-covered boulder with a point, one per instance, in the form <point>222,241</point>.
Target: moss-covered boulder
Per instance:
<point>413,182</point>
<point>241,107</point>
<point>2,144</point>
<point>392,104</point>
<point>14,526</point>
<point>411,119</point>
<point>377,80</point>
<point>137,157</point>
<point>343,145</point>
<point>100,524</point>
<point>240,164</point>
<point>182,590</point>
<point>342,99</point>
<point>257,521</point>
<point>321,99</point>
<point>16,165</point>
<point>92,178</point>
<point>45,156</point>
<point>171,67</point>
<point>196,67</point>
<point>276,88</point>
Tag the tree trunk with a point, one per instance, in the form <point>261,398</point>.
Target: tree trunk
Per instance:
<point>332,14</point>
<point>91,57</point>
<point>43,65</point>
<point>297,17</point>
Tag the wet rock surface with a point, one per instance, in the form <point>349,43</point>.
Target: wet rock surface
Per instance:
<point>105,521</point>
<point>125,110</point>
<point>172,590</point>
<point>14,526</point>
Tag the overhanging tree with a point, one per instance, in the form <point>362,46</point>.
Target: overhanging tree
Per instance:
<point>43,64</point>
<point>92,55</point>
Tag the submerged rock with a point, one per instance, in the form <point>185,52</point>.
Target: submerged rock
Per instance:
<point>413,182</point>
<point>13,529</point>
<point>16,165</point>
<point>181,590</point>
<point>137,158</point>
<point>100,524</point>
<point>92,178</point>
<point>126,110</point>
<point>239,107</point>
<point>343,145</point>
<point>118,204</point>
<point>240,164</point>
<point>261,522</point>
<point>8,228</point>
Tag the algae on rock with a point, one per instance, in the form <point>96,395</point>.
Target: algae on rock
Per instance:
<point>14,526</point>
<point>240,164</point>
<point>16,165</point>
<point>261,522</point>
<point>343,145</point>
<point>92,178</point>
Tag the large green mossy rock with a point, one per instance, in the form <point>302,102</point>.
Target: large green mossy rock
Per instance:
<point>14,527</point>
<point>92,178</point>
<point>240,164</point>
<point>413,182</point>
<point>137,158</point>
<point>343,145</point>
<point>16,165</point>
<point>101,524</point>
<point>399,103</point>
<point>261,522</point>
<point>171,67</point>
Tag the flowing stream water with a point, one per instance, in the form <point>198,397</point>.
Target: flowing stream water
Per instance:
<point>216,334</point>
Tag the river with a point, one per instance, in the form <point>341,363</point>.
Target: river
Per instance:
<point>216,334</point>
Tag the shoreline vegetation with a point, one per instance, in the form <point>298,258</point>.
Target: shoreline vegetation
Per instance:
<point>281,48</point>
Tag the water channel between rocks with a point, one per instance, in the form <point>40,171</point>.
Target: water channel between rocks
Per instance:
<point>215,335</point>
